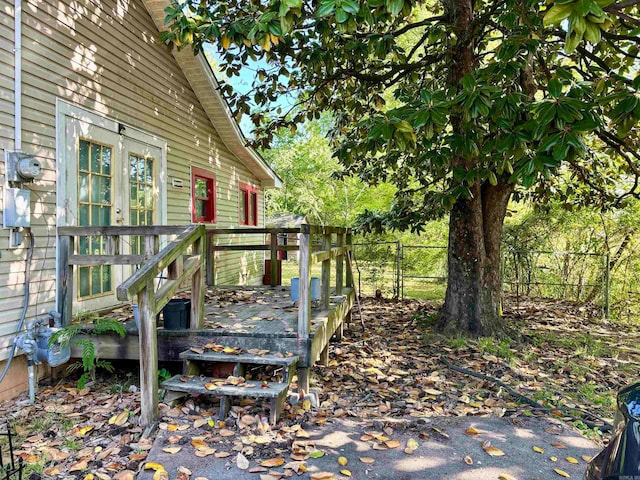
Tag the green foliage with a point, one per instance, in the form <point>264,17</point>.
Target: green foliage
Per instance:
<point>89,362</point>
<point>304,162</point>
<point>459,104</point>
<point>163,375</point>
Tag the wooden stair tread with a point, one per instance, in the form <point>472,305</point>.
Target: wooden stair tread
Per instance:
<point>245,358</point>
<point>196,386</point>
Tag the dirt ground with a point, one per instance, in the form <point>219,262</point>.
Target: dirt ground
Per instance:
<point>565,369</point>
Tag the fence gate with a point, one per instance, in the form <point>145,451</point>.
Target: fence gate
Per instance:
<point>377,268</point>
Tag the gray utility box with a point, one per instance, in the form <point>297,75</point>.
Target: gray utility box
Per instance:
<point>17,208</point>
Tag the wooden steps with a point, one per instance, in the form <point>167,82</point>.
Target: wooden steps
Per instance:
<point>288,364</point>
<point>192,383</point>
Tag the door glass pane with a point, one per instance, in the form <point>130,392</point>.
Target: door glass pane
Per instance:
<point>94,209</point>
<point>95,157</point>
<point>83,187</point>
<point>83,281</point>
<point>105,190</point>
<point>95,189</point>
<point>83,160</point>
<point>141,178</point>
<point>106,160</point>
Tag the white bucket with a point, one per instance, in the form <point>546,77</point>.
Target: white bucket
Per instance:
<point>315,289</point>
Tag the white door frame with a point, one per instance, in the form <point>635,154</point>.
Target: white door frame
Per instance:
<point>65,152</point>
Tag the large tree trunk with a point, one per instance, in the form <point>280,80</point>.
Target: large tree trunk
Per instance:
<point>472,303</point>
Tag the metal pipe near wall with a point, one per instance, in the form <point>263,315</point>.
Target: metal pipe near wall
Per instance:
<point>17,77</point>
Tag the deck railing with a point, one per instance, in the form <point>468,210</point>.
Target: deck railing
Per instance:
<point>336,244</point>
<point>182,259</point>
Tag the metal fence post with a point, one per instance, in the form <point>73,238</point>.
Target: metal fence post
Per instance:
<point>607,280</point>
<point>397,282</point>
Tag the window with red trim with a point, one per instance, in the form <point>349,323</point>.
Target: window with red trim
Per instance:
<point>203,195</point>
<point>248,198</point>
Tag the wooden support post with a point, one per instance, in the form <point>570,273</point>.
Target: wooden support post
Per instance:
<point>65,285</point>
<point>340,331</point>
<point>339,265</point>
<point>273,255</point>
<point>326,271</point>
<point>113,245</point>
<point>198,288</point>
<point>304,304</point>
<point>148,355</point>
<point>349,280</point>
<point>210,261</point>
<point>324,356</point>
<point>151,245</point>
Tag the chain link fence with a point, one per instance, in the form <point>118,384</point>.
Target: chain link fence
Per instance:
<point>394,270</point>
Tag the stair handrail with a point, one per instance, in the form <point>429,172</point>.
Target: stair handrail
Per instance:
<point>141,283</point>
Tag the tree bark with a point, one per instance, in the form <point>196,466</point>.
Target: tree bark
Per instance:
<point>474,287</point>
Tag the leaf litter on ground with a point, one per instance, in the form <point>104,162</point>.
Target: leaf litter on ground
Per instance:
<point>389,371</point>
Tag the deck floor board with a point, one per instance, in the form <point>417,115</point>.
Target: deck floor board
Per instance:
<point>259,311</point>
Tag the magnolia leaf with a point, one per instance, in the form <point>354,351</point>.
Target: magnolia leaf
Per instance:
<point>493,451</point>
<point>562,473</point>
<point>171,450</point>
<point>241,462</point>
<point>273,462</point>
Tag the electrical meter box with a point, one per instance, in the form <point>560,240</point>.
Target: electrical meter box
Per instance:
<point>17,208</point>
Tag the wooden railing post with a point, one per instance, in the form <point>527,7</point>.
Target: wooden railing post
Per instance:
<point>349,276</point>
<point>339,263</point>
<point>65,286</point>
<point>273,245</point>
<point>304,304</point>
<point>151,245</point>
<point>210,261</point>
<point>198,287</point>
<point>148,355</point>
<point>326,269</point>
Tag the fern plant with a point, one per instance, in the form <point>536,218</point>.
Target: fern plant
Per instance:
<point>89,363</point>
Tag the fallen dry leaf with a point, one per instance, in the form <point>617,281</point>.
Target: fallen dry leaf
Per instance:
<point>471,431</point>
<point>81,465</point>
<point>468,460</point>
<point>392,443</point>
<point>171,450</point>
<point>273,462</point>
<point>572,460</point>
<point>506,476</point>
<point>345,472</point>
<point>241,462</point>
<point>367,460</point>
<point>562,473</point>
<point>342,461</point>
<point>160,475</point>
<point>153,466</point>
<point>493,451</point>
<point>538,449</point>
<point>322,476</point>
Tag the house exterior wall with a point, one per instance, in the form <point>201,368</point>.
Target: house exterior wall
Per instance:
<point>103,56</point>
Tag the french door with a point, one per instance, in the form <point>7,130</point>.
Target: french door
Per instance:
<point>117,184</point>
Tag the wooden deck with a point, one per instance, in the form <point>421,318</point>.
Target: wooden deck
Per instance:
<point>249,318</point>
<point>262,318</point>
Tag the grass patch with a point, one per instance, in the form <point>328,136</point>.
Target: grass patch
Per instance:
<point>499,348</point>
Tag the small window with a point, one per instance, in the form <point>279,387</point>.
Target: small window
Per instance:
<point>248,199</point>
<point>203,195</point>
